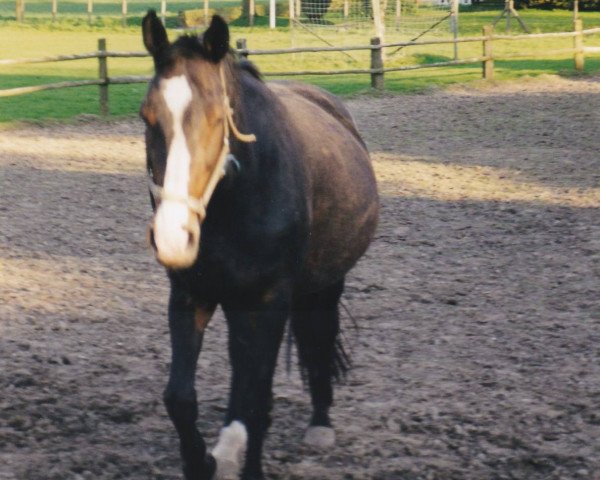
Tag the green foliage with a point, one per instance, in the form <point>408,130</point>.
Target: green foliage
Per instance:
<point>314,10</point>
<point>233,15</point>
<point>584,5</point>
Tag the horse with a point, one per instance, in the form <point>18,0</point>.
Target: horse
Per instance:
<point>263,198</point>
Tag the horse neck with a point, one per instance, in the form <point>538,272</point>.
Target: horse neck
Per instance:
<point>251,104</point>
<point>264,165</point>
<point>238,90</point>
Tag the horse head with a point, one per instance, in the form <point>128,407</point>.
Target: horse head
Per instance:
<point>188,119</point>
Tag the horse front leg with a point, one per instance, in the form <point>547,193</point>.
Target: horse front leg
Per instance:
<point>255,334</point>
<point>186,324</point>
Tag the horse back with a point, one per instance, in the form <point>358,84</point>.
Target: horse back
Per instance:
<point>324,100</point>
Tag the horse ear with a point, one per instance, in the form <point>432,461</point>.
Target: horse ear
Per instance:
<point>216,39</point>
<point>154,34</point>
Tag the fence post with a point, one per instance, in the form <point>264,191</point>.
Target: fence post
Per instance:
<point>103,75</point>
<point>454,25</point>
<point>54,10</point>
<point>20,10</point>
<point>578,44</point>
<point>377,19</point>
<point>90,10</point>
<point>124,12</point>
<point>272,15</point>
<point>488,53</point>
<point>240,44</point>
<point>376,63</point>
<point>163,12</point>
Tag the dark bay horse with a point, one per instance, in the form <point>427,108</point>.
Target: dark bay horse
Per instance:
<point>264,198</point>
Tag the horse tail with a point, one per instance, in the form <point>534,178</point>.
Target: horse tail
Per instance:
<point>343,346</point>
<point>339,359</point>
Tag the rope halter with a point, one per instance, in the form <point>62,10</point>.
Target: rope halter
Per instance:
<point>198,205</point>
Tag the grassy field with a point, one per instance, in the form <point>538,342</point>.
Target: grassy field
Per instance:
<point>41,10</point>
<point>70,35</point>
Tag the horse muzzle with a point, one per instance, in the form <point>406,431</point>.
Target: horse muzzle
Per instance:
<point>174,235</point>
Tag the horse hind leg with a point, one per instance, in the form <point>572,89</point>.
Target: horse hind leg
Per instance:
<point>315,324</point>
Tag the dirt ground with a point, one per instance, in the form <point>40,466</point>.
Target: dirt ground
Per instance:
<point>478,349</point>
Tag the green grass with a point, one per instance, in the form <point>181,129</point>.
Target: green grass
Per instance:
<point>41,9</point>
<point>537,21</point>
<point>72,35</point>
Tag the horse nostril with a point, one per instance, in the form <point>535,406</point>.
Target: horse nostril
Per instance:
<point>192,235</point>
<point>151,238</point>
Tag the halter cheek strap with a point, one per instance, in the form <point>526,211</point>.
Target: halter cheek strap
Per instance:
<point>198,205</point>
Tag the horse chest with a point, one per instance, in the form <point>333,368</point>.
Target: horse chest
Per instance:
<point>234,261</point>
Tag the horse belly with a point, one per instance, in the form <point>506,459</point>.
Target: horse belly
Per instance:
<point>344,208</point>
<point>342,198</point>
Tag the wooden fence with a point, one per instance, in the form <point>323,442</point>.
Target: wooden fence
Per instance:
<point>20,10</point>
<point>376,70</point>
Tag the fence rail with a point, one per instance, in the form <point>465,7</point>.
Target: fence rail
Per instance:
<point>122,10</point>
<point>376,70</point>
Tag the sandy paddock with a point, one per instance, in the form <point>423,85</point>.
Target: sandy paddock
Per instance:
<point>478,349</point>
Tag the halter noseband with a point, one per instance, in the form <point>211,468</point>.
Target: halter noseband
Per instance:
<point>198,205</point>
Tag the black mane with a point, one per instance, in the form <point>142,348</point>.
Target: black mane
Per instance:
<point>247,66</point>
<point>186,46</point>
<point>189,46</point>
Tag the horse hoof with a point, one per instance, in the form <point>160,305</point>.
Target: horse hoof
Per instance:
<point>227,470</point>
<point>319,437</point>
<point>230,451</point>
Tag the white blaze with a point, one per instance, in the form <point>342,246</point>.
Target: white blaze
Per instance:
<point>172,216</point>
<point>230,451</point>
<point>177,94</point>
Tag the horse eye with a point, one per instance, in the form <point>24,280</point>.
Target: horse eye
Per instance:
<point>187,116</point>
<point>148,116</point>
<point>215,118</point>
